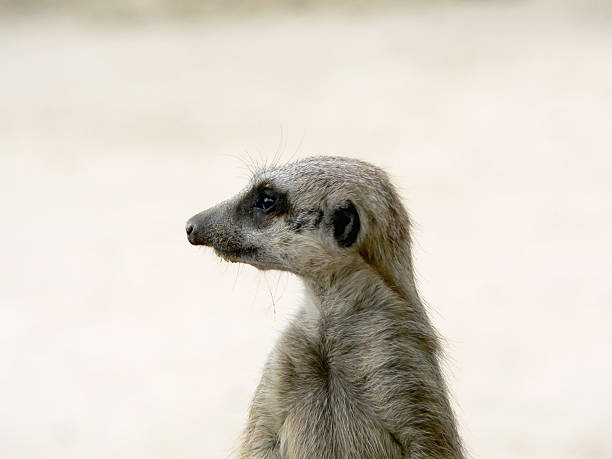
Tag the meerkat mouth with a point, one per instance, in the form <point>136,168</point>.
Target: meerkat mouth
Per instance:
<point>236,255</point>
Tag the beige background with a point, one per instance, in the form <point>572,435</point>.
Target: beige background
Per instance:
<point>118,339</point>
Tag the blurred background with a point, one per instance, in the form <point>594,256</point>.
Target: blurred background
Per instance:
<point>121,119</point>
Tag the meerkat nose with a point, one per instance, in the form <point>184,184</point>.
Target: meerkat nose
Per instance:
<point>191,228</point>
<point>199,228</point>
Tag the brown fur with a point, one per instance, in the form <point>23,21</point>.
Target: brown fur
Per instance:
<point>357,373</point>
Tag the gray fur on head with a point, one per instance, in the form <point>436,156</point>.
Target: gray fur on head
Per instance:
<point>357,373</point>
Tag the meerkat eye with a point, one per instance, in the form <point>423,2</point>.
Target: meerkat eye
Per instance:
<point>267,200</point>
<point>267,203</point>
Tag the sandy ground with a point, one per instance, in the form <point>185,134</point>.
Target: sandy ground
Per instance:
<point>118,339</point>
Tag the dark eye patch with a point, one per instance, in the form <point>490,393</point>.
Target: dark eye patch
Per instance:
<point>267,200</point>
<point>261,205</point>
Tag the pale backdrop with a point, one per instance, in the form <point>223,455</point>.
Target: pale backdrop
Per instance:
<point>120,340</point>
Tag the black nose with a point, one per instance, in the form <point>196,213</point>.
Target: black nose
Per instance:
<point>198,228</point>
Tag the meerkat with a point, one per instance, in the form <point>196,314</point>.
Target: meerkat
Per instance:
<point>357,372</point>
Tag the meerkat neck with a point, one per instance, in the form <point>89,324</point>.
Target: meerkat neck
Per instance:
<point>359,288</point>
<point>354,286</point>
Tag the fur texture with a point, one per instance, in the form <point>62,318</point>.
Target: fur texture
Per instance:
<point>357,373</point>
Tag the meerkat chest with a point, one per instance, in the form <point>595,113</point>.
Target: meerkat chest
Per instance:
<point>320,398</point>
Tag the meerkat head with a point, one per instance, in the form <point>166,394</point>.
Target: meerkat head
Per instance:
<point>312,217</point>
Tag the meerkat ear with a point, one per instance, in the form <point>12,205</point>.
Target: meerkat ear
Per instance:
<point>346,224</point>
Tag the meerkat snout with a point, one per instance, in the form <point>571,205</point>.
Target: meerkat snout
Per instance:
<point>198,228</point>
